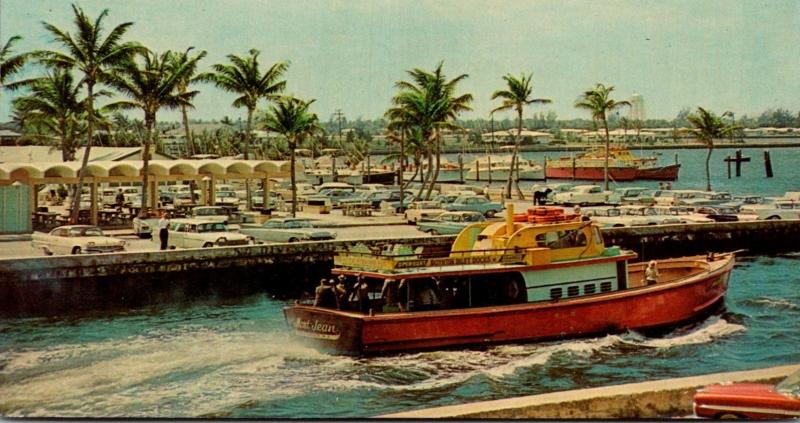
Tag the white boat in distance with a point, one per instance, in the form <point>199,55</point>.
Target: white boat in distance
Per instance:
<point>500,166</point>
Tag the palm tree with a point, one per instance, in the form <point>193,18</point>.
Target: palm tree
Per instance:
<point>9,64</point>
<point>598,102</point>
<point>290,117</point>
<point>516,97</point>
<point>93,55</point>
<point>54,104</point>
<point>244,77</point>
<point>709,126</point>
<point>152,83</point>
<point>175,61</point>
<point>432,105</point>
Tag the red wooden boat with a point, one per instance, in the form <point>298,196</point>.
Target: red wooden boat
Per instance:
<point>659,173</point>
<point>508,282</point>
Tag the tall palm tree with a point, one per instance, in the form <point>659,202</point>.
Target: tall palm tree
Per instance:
<point>598,102</point>
<point>290,117</point>
<point>152,82</point>
<point>518,95</point>
<point>55,105</point>
<point>432,101</point>
<point>10,64</point>
<point>175,61</point>
<point>243,77</point>
<point>709,126</point>
<point>93,55</point>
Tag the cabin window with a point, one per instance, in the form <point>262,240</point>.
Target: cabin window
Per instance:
<point>605,286</point>
<point>555,293</point>
<point>573,291</point>
<point>502,289</point>
<point>598,237</point>
<point>562,239</point>
<point>589,289</point>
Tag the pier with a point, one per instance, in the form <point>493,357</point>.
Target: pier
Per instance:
<point>54,285</point>
<point>648,400</point>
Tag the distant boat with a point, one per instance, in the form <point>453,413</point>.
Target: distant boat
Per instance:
<point>448,172</point>
<point>500,167</point>
<point>622,166</point>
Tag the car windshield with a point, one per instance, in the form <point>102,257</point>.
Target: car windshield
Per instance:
<point>85,232</point>
<point>790,385</point>
<point>226,194</point>
<point>211,227</point>
<point>297,224</point>
<point>613,212</point>
<point>211,212</point>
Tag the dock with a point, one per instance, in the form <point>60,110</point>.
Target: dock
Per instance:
<point>646,400</point>
<point>59,284</point>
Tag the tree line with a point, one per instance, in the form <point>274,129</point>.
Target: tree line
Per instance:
<point>90,66</point>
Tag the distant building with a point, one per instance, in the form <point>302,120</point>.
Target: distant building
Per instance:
<point>9,137</point>
<point>43,153</point>
<point>637,107</point>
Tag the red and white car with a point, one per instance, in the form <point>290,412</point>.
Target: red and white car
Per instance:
<point>750,400</point>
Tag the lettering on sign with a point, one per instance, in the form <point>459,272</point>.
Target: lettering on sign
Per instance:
<point>316,329</point>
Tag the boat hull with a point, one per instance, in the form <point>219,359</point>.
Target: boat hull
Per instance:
<point>591,173</point>
<point>641,308</point>
<point>660,173</point>
<point>502,175</point>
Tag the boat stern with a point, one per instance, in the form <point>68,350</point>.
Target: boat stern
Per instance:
<point>325,329</point>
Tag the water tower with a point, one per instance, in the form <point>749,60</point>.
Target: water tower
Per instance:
<point>637,107</point>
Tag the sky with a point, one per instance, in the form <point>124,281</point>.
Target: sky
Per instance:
<point>724,55</point>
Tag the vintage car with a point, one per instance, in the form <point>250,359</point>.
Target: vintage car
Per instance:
<point>720,213</point>
<point>475,203</point>
<point>750,400</point>
<point>650,213</point>
<point>581,195</point>
<point>287,230</point>
<point>76,239</point>
<point>216,214</point>
<point>781,209</point>
<point>419,210</point>
<point>200,233</point>
<point>392,205</point>
<point>631,195</point>
<point>275,200</point>
<point>449,222</point>
<point>227,198</point>
<point>683,213</point>
<point>333,196</point>
<point>373,198</point>
<point>144,226</point>
<point>184,199</point>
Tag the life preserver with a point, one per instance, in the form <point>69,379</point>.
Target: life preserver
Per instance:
<point>520,218</point>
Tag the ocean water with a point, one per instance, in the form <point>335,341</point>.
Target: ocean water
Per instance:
<point>692,174</point>
<point>237,359</point>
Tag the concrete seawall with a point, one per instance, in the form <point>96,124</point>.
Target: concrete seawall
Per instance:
<point>646,400</point>
<point>54,285</point>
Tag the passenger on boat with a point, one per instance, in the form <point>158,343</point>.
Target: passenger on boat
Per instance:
<point>362,295</point>
<point>426,297</point>
<point>324,295</point>
<point>391,296</point>
<point>341,293</point>
<point>651,273</point>
<point>444,291</point>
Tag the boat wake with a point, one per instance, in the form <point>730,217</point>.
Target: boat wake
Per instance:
<point>780,303</point>
<point>197,371</point>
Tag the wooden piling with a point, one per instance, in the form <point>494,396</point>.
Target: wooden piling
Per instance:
<point>767,164</point>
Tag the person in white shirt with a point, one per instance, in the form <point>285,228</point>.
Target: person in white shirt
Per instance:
<point>163,233</point>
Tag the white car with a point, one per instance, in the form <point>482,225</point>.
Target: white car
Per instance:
<point>582,195</point>
<point>683,213</point>
<point>287,230</point>
<point>226,198</point>
<point>650,215</point>
<point>76,239</point>
<point>421,210</point>
<point>198,233</point>
<point>614,217</point>
<point>782,209</point>
<point>144,227</point>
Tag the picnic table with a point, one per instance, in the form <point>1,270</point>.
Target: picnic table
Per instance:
<point>42,219</point>
<point>357,209</point>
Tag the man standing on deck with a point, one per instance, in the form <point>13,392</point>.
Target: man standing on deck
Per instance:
<point>163,233</point>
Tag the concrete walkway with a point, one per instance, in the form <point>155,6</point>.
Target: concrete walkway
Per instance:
<point>654,399</point>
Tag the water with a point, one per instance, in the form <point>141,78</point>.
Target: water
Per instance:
<point>238,360</point>
<point>692,174</point>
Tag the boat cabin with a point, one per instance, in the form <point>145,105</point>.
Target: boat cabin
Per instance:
<point>490,264</point>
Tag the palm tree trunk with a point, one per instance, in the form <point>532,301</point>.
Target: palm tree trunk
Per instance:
<point>708,169</point>
<point>189,140</point>
<point>513,154</point>
<point>248,194</point>
<point>438,152</point>
<point>148,123</point>
<point>292,178</point>
<point>402,166</point>
<point>605,165</point>
<point>76,193</point>
<point>426,176</point>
